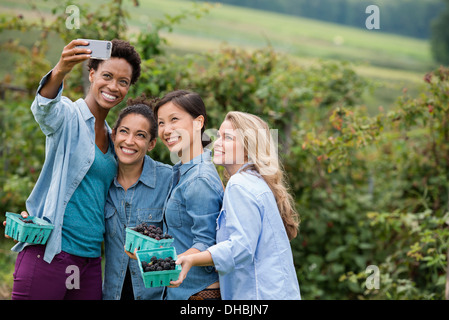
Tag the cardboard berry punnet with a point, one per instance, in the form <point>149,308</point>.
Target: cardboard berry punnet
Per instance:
<point>146,237</point>
<point>159,278</point>
<point>30,230</point>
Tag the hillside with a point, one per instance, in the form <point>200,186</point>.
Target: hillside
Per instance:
<point>392,61</point>
<point>405,17</point>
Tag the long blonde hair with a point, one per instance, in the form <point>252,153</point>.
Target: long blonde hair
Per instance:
<point>261,149</point>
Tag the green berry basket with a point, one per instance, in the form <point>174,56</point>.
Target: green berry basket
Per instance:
<point>136,240</point>
<point>153,279</point>
<point>31,230</point>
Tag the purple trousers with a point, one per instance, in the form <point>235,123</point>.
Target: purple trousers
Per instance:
<point>67,277</point>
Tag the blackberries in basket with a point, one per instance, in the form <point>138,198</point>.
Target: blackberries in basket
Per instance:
<point>160,264</point>
<point>27,220</point>
<point>151,231</point>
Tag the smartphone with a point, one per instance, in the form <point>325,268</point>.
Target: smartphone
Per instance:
<point>101,49</point>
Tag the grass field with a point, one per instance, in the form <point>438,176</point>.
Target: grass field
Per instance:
<point>392,62</point>
<point>254,28</point>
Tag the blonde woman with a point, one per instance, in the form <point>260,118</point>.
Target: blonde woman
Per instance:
<point>252,255</point>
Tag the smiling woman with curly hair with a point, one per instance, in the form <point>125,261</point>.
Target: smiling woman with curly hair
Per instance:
<point>78,170</point>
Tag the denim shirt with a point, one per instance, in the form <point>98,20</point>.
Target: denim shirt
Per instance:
<point>69,153</point>
<point>253,255</point>
<point>142,202</point>
<point>190,214</point>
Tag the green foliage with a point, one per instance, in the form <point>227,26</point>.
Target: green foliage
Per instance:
<point>22,152</point>
<point>412,171</point>
<point>440,36</point>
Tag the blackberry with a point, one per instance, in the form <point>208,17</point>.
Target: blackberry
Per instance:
<point>152,231</point>
<point>26,220</point>
<point>159,264</point>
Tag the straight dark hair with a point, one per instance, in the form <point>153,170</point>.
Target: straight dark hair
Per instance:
<point>189,101</point>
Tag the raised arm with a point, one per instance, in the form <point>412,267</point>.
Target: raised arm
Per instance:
<point>71,55</point>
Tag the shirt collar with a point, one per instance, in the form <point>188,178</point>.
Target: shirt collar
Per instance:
<point>148,175</point>
<point>87,114</point>
<point>243,166</point>
<point>85,111</point>
<point>206,156</point>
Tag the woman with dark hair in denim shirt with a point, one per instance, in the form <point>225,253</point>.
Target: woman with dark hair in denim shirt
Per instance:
<point>136,196</point>
<point>196,195</point>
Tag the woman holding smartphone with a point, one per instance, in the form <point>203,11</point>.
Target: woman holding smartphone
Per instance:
<point>196,195</point>
<point>252,255</point>
<point>78,170</point>
<point>136,196</point>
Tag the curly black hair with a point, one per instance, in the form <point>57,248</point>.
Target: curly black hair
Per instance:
<point>122,49</point>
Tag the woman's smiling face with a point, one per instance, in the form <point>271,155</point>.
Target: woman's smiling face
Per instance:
<point>176,128</point>
<point>110,82</point>
<point>228,149</point>
<point>132,139</point>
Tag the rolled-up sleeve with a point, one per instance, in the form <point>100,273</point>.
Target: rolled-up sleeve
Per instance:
<point>49,113</point>
<point>203,206</point>
<point>243,227</point>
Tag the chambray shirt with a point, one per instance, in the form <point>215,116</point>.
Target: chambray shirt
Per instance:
<point>142,202</point>
<point>69,153</point>
<point>191,211</point>
<point>253,255</point>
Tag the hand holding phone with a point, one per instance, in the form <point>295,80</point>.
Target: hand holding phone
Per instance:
<point>100,49</point>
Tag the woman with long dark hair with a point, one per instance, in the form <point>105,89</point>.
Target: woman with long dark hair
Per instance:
<point>196,195</point>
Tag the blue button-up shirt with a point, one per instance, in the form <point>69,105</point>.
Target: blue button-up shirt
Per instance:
<point>142,202</point>
<point>253,255</point>
<point>69,153</point>
<point>190,215</point>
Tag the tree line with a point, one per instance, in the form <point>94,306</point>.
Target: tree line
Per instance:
<point>406,17</point>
